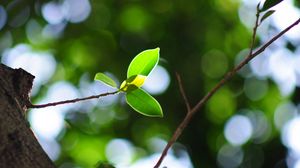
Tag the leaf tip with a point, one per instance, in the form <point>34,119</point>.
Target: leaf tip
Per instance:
<point>269,4</point>
<point>266,15</point>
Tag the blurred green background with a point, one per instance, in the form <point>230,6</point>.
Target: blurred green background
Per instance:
<point>251,122</point>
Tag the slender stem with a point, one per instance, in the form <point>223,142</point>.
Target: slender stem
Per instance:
<point>228,76</point>
<point>186,101</point>
<point>255,29</point>
<point>71,101</point>
<point>241,65</point>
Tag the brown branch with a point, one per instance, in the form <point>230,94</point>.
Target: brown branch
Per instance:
<point>71,101</point>
<point>186,101</point>
<point>228,76</point>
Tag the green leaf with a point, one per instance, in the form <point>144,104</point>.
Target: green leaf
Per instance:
<point>143,63</point>
<point>133,82</point>
<point>105,79</point>
<point>266,15</point>
<point>269,4</point>
<point>144,103</point>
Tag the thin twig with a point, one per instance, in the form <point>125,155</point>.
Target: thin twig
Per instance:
<point>71,101</point>
<point>228,76</point>
<point>241,65</point>
<point>186,101</point>
<point>255,29</point>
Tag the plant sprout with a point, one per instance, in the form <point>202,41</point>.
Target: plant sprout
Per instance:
<point>139,68</point>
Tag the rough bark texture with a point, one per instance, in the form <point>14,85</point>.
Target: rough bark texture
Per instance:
<point>18,146</point>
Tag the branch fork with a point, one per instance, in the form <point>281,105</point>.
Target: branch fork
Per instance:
<point>191,111</point>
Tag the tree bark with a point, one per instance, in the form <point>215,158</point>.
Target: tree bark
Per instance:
<point>18,146</point>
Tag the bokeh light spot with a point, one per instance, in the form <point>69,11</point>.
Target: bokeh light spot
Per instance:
<point>261,126</point>
<point>221,106</point>
<point>260,65</point>
<point>290,135</point>
<point>158,81</point>
<point>238,130</point>
<point>95,87</point>
<point>22,56</point>
<point>52,12</point>
<point>53,31</point>
<point>86,150</point>
<point>286,10</point>
<point>119,152</point>
<point>76,11</point>
<point>18,13</point>
<point>283,113</point>
<point>297,164</point>
<point>282,70</point>
<point>47,123</point>
<point>61,91</point>
<point>135,19</point>
<point>245,71</point>
<point>245,13</point>
<point>33,32</point>
<point>51,147</point>
<point>170,161</point>
<point>6,41</point>
<point>230,156</point>
<point>214,64</point>
<point>297,62</point>
<point>255,89</point>
<point>156,144</point>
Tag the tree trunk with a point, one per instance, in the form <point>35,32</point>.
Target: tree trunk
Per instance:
<point>18,146</point>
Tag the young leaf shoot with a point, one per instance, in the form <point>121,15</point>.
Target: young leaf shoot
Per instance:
<point>105,79</point>
<point>135,81</point>
<point>266,15</point>
<point>138,70</point>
